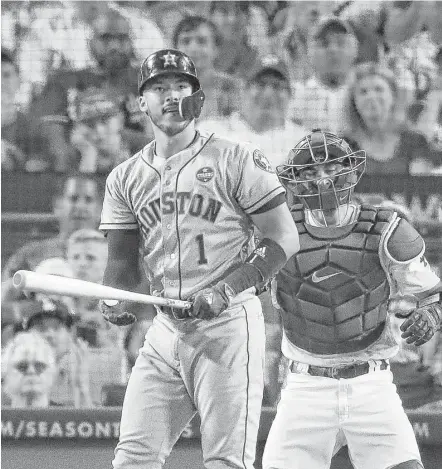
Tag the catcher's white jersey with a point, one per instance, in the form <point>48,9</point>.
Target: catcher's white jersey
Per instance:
<point>213,185</point>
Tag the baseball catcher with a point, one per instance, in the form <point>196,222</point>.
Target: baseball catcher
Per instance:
<point>358,266</point>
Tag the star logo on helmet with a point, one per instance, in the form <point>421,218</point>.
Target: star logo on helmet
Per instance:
<point>170,59</point>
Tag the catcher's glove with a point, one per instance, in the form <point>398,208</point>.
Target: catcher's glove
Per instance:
<point>114,312</point>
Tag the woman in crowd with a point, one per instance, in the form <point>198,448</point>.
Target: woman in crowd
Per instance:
<point>375,121</point>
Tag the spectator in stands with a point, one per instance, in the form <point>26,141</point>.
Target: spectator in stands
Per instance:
<point>87,256</point>
<point>199,38</point>
<point>333,49</point>
<point>366,20</point>
<point>20,146</point>
<point>28,371</point>
<point>263,118</point>
<point>374,120</point>
<point>167,15</point>
<point>410,31</point>
<point>53,320</point>
<point>426,115</point>
<point>141,20</point>
<point>56,38</point>
<point>112,50</point>
<point>405,20</point>
<point>13,310</point>
<point>97,132</point>
<point>236,55</point>
<point>77,204</point>
<point>296,22</point>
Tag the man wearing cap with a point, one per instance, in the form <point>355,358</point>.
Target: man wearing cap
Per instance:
<point>333,49</point>
<point>97,131</point>
<point>263,118</point>
<point>53,320</point>
<point>111,47</point>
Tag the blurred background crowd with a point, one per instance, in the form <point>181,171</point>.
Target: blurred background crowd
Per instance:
<point>370,71</point>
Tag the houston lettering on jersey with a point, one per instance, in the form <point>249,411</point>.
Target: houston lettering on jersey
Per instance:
<point>194,204</point>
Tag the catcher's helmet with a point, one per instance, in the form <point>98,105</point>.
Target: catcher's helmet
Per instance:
<point>172,61</point>
<point>320,191</point>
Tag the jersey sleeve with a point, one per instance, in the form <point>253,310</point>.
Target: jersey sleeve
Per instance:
<point>116,213</point>
<point>257,181</point>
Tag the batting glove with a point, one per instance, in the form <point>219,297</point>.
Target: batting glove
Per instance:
<point>113,312</point>
<point>422,324</point>
<point>211,302</point>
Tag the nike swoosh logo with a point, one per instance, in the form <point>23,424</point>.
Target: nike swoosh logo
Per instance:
<point>316,278</point>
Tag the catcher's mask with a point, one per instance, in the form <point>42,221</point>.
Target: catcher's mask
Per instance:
<point>322,171</point>
<point>171,61</point>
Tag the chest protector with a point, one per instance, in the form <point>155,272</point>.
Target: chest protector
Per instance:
<point>333,293</point>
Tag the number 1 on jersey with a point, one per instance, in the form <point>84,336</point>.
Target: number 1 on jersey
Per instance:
<point>202,252</point>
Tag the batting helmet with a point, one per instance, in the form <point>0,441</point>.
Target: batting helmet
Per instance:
<point>172,61</point>
<point>318,191</point>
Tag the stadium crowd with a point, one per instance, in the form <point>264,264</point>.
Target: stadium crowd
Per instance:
<point>271,72</point>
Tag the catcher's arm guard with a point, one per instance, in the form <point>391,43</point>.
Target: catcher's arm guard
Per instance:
<point>402,256</point>
<point>415,290</point>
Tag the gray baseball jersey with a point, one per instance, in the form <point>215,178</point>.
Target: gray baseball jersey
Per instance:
<point>192,209</point>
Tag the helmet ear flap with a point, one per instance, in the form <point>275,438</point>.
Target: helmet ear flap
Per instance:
<point>190,107</point>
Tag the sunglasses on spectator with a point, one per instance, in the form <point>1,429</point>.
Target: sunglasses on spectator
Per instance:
<point>23,367</point>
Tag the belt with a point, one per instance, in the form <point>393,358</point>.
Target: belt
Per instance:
<point>340,372</point>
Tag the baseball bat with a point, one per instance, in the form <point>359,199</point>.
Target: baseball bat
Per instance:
<point>57,285</point>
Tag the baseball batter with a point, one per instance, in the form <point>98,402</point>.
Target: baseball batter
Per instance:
<point>191,199</point>
<point>357,266</point>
